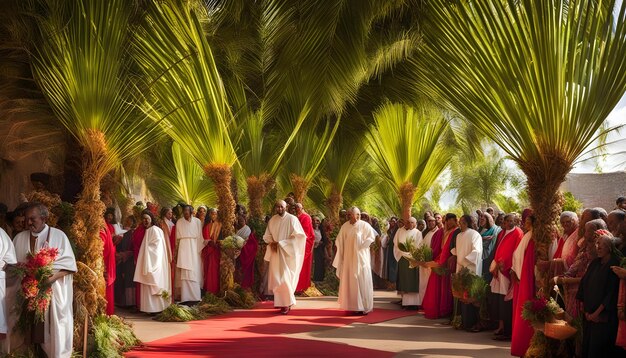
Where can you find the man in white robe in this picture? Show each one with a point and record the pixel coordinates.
(59, 321)
(352, 261)
(153, 269)
(7, 257)
(285, 252)
(408, 278)
(469, 254)
(189, 261)
(431, 227)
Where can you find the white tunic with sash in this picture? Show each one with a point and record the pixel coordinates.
(352, 261)
(189, 261)
(285, 263)
(59, 322)
(153, 271)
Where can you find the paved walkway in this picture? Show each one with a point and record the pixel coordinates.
(407, 336)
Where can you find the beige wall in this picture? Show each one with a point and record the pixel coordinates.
(596, 190)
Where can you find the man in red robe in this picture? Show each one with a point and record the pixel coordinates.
(437, 302)
(108, 254)
(307, 224)
(501, 287)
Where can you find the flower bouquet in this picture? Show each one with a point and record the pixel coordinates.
(231, 248)
(35, 293)
(468, 287)
(416, 254)
(540, 311)
(232, 245)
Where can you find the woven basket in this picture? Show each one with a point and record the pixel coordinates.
(559, 329)
(538, 326)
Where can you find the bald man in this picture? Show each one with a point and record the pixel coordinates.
(352, 261)
(285, 253)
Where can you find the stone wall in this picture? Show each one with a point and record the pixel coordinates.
(596, 189)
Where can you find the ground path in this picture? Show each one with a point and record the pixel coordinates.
(315, 327)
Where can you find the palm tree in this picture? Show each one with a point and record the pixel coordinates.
(537, 77)
(406, 145)
(478, 180)
(176, 177)
(187, 95)
(80, 64)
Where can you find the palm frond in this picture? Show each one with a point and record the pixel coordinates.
(537, 77)
(81, 65)
(403, 140)
(188, 98)
(176, 177)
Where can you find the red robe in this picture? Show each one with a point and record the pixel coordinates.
(522, 292)
(108, 255)
(246, 261)
(505, 247)
(437, 302)
(137, 240)
(211, 260)
(305, 274)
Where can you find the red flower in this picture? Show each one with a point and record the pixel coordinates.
(30, 287)
(539, 304)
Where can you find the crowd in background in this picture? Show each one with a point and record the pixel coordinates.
(584, 261)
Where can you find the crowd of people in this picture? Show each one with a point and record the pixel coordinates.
(584, 264)
(154, 260)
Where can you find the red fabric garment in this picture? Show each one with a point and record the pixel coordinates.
(559, 248)
(522, 292)
(138, 235)
(304, 281)
(246, 261)
(211, 261)
(505, 247)
(437, 302)
(108, 255)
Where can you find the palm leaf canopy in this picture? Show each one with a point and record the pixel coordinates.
(81, 65)
(188, 98)
(537, 77)
(405, 145)
(177, 177)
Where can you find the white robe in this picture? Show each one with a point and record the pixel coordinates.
(285, 264)
(59, 322)
(189, 262)
(518, 254)
(469, 251)
(7, 257)
(408, 298)
(352, 261)
(425, 271)
(153, 271)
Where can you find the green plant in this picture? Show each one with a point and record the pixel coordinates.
(570, 203)
(112, 336)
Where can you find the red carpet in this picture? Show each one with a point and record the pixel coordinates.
(256, 333)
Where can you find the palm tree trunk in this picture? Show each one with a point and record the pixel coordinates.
(89, 287)
(257, 188)
(546, 201)
(407, 192)
(334, 202)
(221, 175)
(300, 187)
